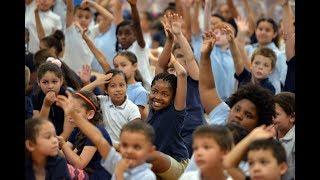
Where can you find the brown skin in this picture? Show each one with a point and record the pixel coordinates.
(126, 36)
(160, 95)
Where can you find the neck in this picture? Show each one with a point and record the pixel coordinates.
(281, 133)
(216, 174)
(255, 80)
(263, 44)
(224, 47)
(131, 80)
(38, 161)
(118, 103)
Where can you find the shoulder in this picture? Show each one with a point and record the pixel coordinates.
(219, 114)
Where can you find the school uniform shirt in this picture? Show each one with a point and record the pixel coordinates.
(196, 42)
(49, 20)
(143, 61)
(288, 142)
(137, 94)
(56, 114)
(245, 78)
(289, 84)
(60, 8)
(105, 42)
(196, 175)
(141, 172)
(28, 107)
(117, 116)
(278, 76)
(195, 113)
(98, 172)
(167, 124)
(77, 53)
(56, 168)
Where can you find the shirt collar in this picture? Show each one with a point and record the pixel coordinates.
(122, 106)
(290, 134)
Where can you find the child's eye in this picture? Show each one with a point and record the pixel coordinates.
(266, 65)
(153, 91)
(137, 147)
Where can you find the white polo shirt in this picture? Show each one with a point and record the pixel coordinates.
(115, 117)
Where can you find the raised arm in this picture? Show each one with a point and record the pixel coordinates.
(97, 53)
(288, 29)
(208, 93)
(136, 23)
(69, 14)
(117, 12)
(187, 19)
(242, 35)
(101, 80)
(232, 8)
(49, 99)
(238, 63)
(181, 92)
(251, 16)
(195, 27)
(191, 65)
(165, 55)
(40, 29)
(207, 13)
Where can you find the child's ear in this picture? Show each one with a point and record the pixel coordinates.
(29, 145)
(90, 114)
(292, 118)
(283, 168)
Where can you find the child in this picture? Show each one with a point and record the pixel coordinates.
(39, 11)
(263, 61)
(50, 80)
(28, 108)
(136, 143)
(266, 156)
(76, 51)
(117, 109)
(79, 150)
(266, 33)
(130, 38)
(284, 122)
(210, 145)
(42, 160)
(167, 101)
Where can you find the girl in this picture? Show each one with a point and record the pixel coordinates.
(267, 36)
(116, 108)
(130, 37)
(50, 80)
(284, 122)
(167, 114)
(79, 150)
(42, 160)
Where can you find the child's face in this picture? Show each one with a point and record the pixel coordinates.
(77, 104)
(46, 142)
(261, 67)
(244, 113)
(161, 95)
(123, 64)
(221, 37)
(207, 153)
(45, 5)
(283, 121)
(50, 82)
(265, 32)
(213, 21)
(126, 36)
(135, 147)
(178, 54)
(84, 18)
(263, 165)
(225, 11)
(117, 89)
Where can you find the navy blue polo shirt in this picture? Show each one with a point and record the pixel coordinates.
(98, 172)
(56, 168)
(245, 78)
(56, 114)
(167, 124)
(28, 107)
(195, 111)
(289, 84)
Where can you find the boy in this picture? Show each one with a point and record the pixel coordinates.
(265, 155)
(263, 62)
(210, 145)
(77, 52)
(136, 143)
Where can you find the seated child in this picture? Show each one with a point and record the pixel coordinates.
(210, 144)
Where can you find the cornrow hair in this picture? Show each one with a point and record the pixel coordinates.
(170, 78)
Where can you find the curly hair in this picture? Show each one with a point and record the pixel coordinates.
(260, 97)
(170, 78)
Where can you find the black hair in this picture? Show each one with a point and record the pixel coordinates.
(32, 128)
(114, 73)
(170, 78)
(123, 23)
(133, 59)
(138, 126)
(275, 146)
(286, 101)
(219, 16)
(260, 97)
(78, 7)
(51, 67)
(238, 131)
(41, 56)
(274, 27)
(59, 35)
(220, 134)
(52, 41)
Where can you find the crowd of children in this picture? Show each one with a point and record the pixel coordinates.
(201, 89)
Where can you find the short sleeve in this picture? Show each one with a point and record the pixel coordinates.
(142, 98)
(134, 112)
(110, 162)
(219, 114)
(243, 76)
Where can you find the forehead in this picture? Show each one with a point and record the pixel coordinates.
(49, 75)
(260, 153)
(259, 57)
(125, 28)
(204, 138)
(118, 78)
(120, 59)
(246, 105)
(161, 85)
(265, 24)
(46, 127)
(133, 137)
(83, 12)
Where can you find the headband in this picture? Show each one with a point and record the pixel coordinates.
(54, 61)
(87, 100)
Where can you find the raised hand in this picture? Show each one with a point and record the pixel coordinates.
(65, 103)
(61, 141)
(85, 73)
(208, 41)
(80, 29)
(123, 165)
(262, 132)
(176, 22)
(86, 3)
(229, 32)
(49, 99)
(165, 21)
(132, 2)
(242, 24)
(103, 79)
